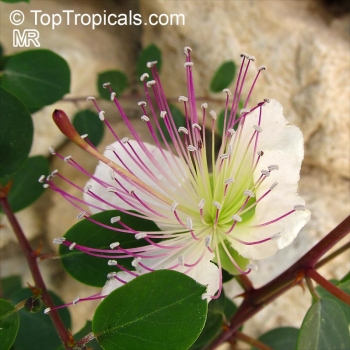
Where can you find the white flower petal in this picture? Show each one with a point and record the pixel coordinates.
(113, 283)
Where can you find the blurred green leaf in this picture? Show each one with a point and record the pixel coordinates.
(10, 285)
(36, 77)
(16, 134)
(93, 270)
(36, 330)
(9, 323)
(25, 188)
(283, 338)
(117, 79)
(220, 311)
(158, 310)
(88, 122)
(324, 327)
(14, 1)
(148, 54)
(223, 76)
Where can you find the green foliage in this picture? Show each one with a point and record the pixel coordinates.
(284, 338)
(158, 310)
(36, 330)
(117, 79)
(26, 189)
(324, 327)
(16, 134)
(9, 323)
(36, 77)
(220, 311)
(148, 54)
(14, 1)
(10, 285)
(88, 122)
(223, 76)
(93, 270)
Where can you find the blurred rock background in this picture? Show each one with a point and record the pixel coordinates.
(305, 46)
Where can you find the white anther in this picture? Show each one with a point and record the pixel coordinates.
(261, 153)
(76, 300)
(71, 247)
(66, 159)
(207, 241)
(144, 76)
(48, 178)
(87, 188)
(162, 114)
(52, 150)
(258, 128)
(101, 115)
(266, 173)
(47, 310)
(132, 190)
(224, 156)
(227, 91)
(217, 205)
(266, 100)
(213, 114)
(252, 267)
(54, 173)
(182, 129)
(229, 181)
(236, 218)
(105, 85)
(111, 189)
(114, 245)
(110, 148)
(41, 178)
(299, 207)
(204, 105)
(273, 167)
(181, 260)
(144, 118)
(151, 64)
(142, 103)
(125, 140)
(251, 58)
(262, 68)
(111, 174)
(90, 98)
(196, 126)
(115, 219)
(46, 186)
(150, 83)
(206, 296)
(113, 95)
(191, 148)
(244, 111)
(201, 203)
(244, 54)
(173, 206)
(188, 64)
(141, 235)
(231, 131)
(187, 50)
(81, 215)
(111, 275)
(189, 223)
(112, 262)
(276, 236)
(249, 193)
(59, 240)
(183, 99)
(273, 186)
(136, 261)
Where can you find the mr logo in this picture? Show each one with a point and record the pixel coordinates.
(25, 38)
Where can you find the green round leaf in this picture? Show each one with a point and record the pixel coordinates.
(158, 310)
(9, 323)
(36, 330)
(16, 134)
(10, 285)
(223, 77)
(25, 188)
(36, 77)
(149, 54)
(93, 270)
(117, 79)
(324, 327)
(88, 122)
(220, 311)
(284, 338)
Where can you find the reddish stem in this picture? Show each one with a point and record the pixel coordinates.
(33, 266)
(330, 287)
